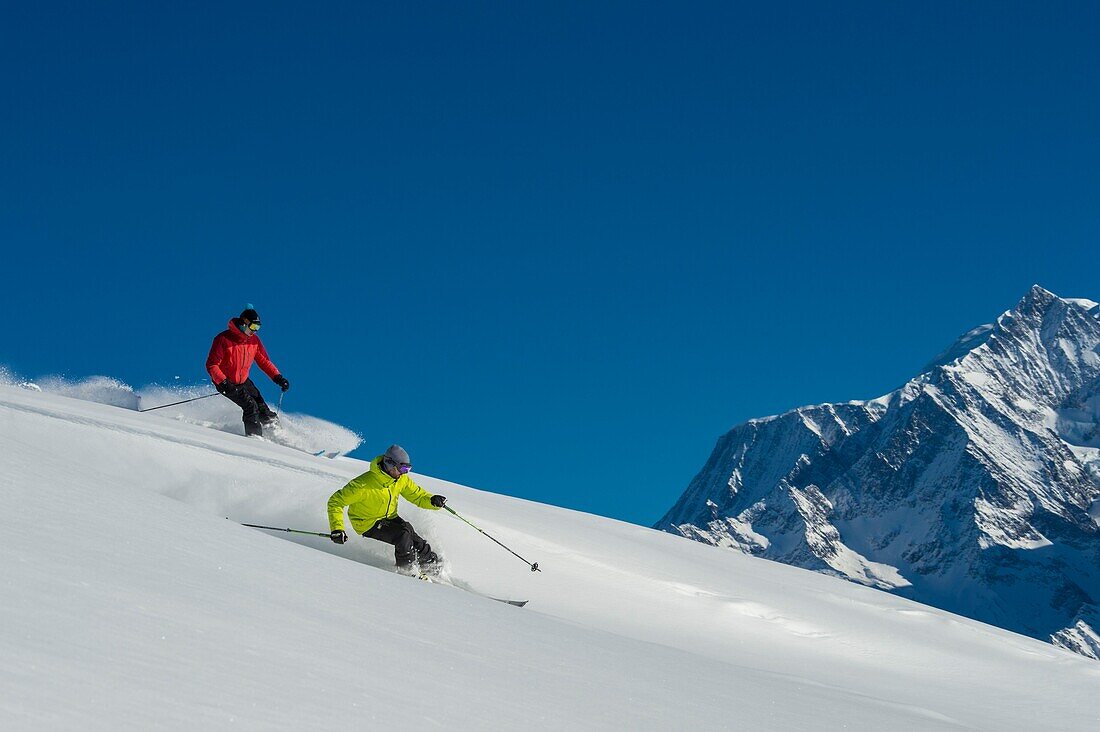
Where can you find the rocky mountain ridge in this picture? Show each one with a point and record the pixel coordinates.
(972, 488)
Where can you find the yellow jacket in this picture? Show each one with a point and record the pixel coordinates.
(373, 496)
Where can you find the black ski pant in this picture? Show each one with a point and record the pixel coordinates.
(408, 546)
(248, 397)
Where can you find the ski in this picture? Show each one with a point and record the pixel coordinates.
(436, 580)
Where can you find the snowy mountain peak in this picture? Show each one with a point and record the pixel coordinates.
(972, 488)
(1037, 305)
(966, 343)
(1040, 295)
(1040, 306)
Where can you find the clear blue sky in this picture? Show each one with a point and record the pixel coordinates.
(553, 249)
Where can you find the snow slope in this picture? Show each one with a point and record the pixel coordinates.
(207, 409)
(130, 602)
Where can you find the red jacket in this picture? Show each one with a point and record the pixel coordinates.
(232, 354)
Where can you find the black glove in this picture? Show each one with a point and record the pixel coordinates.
(439, 501)
(281, 381)
(225, 387)
(338, 537)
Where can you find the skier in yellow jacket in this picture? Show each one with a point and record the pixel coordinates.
(371, 501)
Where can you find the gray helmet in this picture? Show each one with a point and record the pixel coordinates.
(397, 454)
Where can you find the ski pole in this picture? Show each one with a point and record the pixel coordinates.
(534, 567)
(293, 531)
(281, 394)
(162, 406)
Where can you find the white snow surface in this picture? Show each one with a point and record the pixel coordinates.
(208, 409)
(1084, 302)
(130, 602)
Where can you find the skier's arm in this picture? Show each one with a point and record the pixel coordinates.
(264, 362)
(416, 495)
(214, 359)
(338, 501)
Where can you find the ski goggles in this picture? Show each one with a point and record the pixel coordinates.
(253, 327)
(402, 468)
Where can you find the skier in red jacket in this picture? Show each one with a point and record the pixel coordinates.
(231, 356)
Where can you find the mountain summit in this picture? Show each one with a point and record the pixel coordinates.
(972, 488)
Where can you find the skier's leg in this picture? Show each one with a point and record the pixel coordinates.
(422, 551)
(393, 532)
(243, 398)
(408, 546)
(265, 415)
(252, 417)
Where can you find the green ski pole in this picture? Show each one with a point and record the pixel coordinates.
(292, 531)
(534, 567)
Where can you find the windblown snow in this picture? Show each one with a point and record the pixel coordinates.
(299, 431)
(131, 602)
